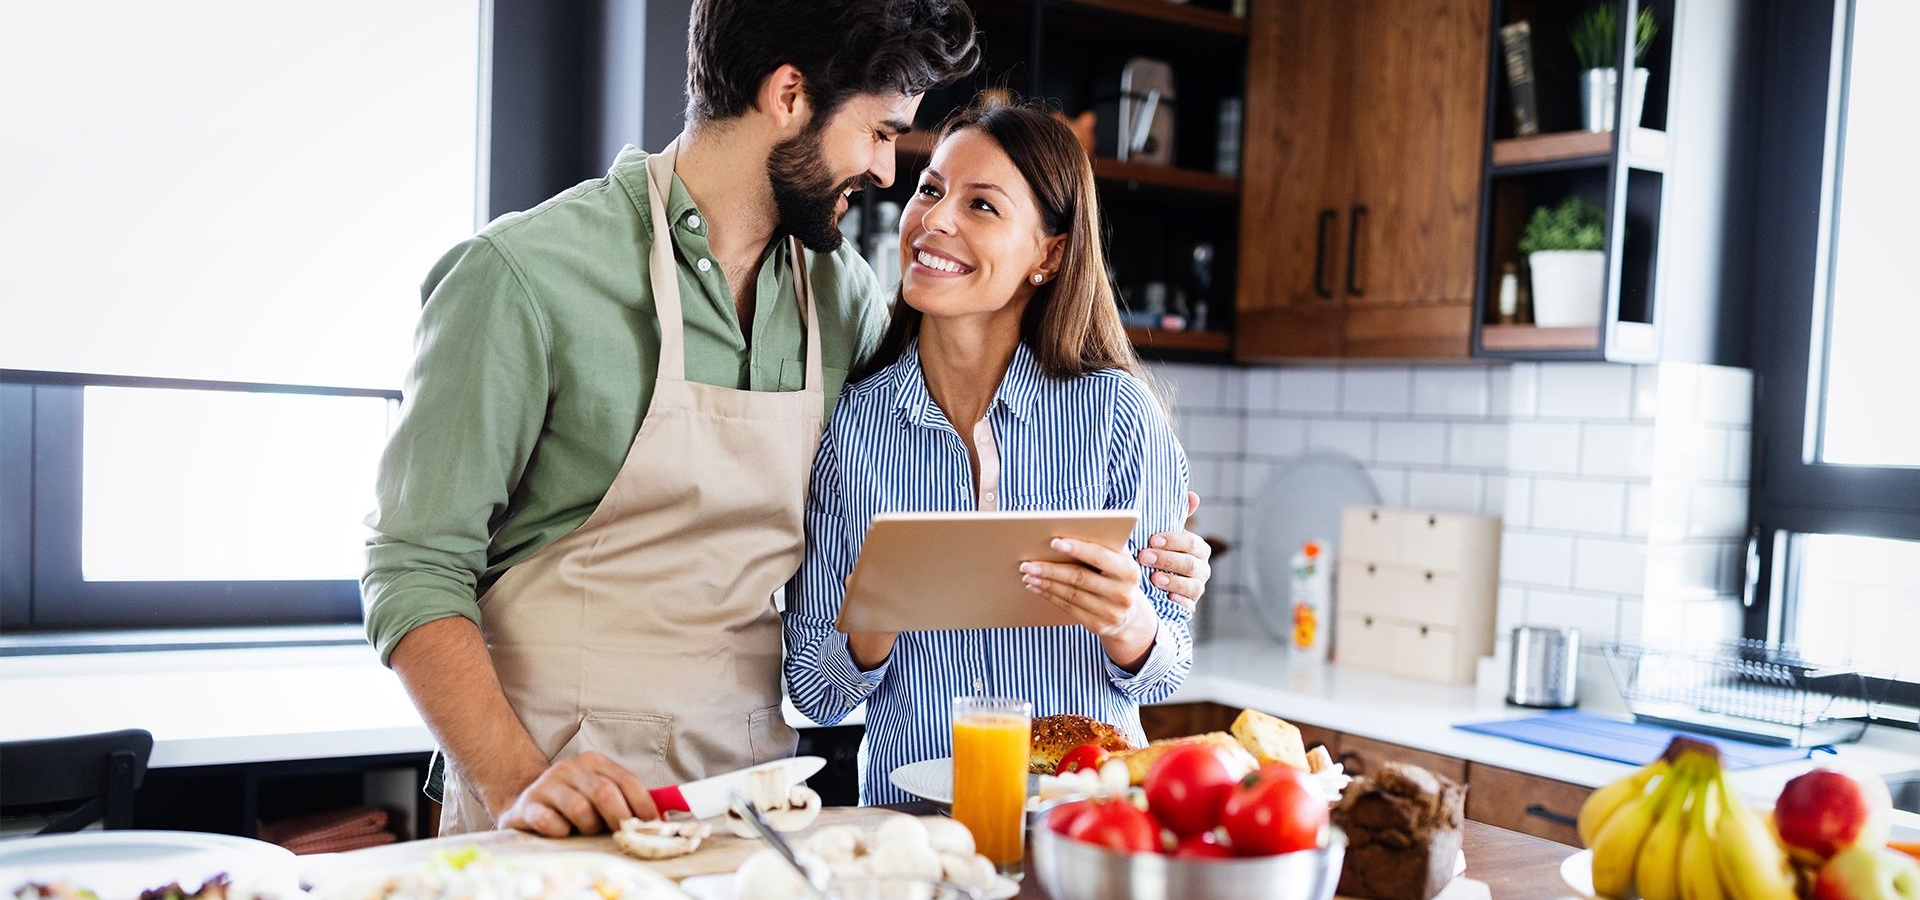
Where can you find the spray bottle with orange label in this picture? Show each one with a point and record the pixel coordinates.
(1310, 583)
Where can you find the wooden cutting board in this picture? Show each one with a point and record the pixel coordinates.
(720, 852)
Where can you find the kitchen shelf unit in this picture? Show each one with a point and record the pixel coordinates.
(1069, 53)
(1665, 182)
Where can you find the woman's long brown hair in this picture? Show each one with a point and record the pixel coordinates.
(1072, 324)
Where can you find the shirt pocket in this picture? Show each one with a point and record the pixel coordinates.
(793, 377)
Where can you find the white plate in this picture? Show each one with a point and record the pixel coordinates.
(1577, 872)
(932, 780)
(1300, 502)
(720, 887)
(118, 865)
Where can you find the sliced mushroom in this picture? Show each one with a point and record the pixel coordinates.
(785, 808)
(660, 839)
(947, 836)
(765, 876)
(839, 843)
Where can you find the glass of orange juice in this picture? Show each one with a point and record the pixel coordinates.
(990, 749)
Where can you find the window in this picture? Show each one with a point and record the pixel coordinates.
(1836, 498)
(214, 240)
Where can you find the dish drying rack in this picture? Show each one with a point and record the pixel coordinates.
(1746, 690)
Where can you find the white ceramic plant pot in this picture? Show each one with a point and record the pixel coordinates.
(1566, 287)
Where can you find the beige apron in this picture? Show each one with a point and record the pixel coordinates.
(649, 633)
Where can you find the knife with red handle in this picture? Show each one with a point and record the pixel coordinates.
(707, 797)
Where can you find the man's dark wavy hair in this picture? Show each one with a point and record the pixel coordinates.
(842, 48)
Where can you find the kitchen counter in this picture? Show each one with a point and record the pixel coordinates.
(215, 707)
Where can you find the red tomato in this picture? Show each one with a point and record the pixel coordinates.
(1205, 845)
(1116, 825)
(1085, 756)
(1062, 818)
(1271, 811)
(1187, 786)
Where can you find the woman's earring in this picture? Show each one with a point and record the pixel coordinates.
(1037, 278)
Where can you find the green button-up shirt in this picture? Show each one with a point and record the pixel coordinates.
(536, 355)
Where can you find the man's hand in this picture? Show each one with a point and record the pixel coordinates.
(1179, 559)
(584, 794)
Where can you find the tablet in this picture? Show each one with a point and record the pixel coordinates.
(934, 571)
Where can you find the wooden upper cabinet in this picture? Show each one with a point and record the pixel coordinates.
(1362, 180)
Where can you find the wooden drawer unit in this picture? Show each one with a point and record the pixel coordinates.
(1528, 804)
(1358, 753)
(1415, 592)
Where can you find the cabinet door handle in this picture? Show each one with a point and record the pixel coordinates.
(1320, 254)
(1353, 249)
(1540, 812)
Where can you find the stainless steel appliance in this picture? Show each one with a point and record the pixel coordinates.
(1544, 667)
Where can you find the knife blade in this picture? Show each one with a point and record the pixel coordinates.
(707, 797)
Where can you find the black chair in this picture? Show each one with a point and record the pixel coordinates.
(100, 772)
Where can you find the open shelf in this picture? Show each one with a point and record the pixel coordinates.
(1523, 338)
(1172, 13)
(1185, 341)
(1170, 177)
(1562, 146)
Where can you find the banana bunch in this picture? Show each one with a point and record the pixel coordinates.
(1674, 830)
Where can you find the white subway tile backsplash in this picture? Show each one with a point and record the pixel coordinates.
(1529, 558)
(1679, 392)
(1639, 509)
(1422, 443)
(1391, 481)
(1451, 392)
(1518, 508)
(1726, 395)
(1630, 620)
(1551, 448)
(1351, 437)
(1270, 437)
(1692, 452)
(1493, 495)
(1214, 477)
(1622, 451)
(1588, 507)
(1477, 445)
(1586, 391)
(1614, 566)
(1597, 617)
(1312, 389)
(1509, 612)
(1717, 511)
(1376, 390)
(1683, 570)
(1667, 511)
(1646, 393)
(1707, 623)
(1212, 434)
(1444, 491)
(1254, 474)
(1521, 400)
(1262, 389)
(1197, 388)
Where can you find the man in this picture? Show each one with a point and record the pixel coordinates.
(597, 480)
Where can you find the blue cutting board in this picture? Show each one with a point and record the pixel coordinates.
(1625, 742)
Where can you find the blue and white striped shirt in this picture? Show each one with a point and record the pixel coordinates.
(1094, 442)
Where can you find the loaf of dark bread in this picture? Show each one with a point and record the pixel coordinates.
(1403, 833)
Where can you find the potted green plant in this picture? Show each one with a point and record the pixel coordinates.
(1595, 38)
(1563, 247)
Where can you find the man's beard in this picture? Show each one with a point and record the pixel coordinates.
(804, 192)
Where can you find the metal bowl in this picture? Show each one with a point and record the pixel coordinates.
(1076, 870)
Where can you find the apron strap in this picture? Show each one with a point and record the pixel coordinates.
(664, 271)
(803, 289)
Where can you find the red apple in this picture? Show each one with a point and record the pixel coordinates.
(1868, 873)
(1826, 811)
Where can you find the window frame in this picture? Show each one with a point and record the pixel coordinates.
(40, 476)
(1802, 126)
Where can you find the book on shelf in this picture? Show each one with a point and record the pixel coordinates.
(1517, 43)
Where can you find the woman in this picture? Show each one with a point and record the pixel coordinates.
(1005, 381)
